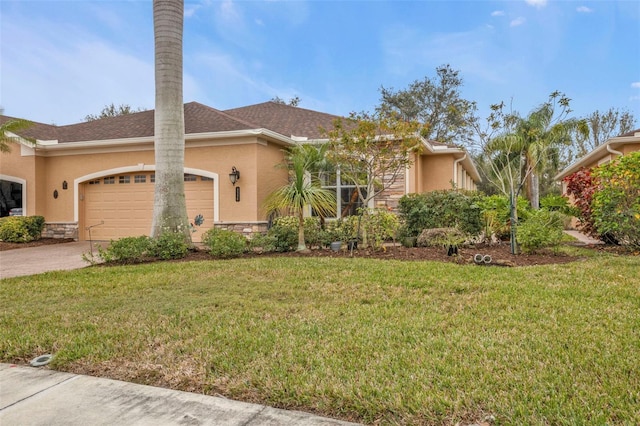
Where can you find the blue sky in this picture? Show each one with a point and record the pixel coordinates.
(62, 60)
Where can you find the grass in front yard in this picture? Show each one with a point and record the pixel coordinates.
(365, 340)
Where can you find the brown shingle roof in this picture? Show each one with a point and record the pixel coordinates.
(285, 119)
(630, 134)
(198, 118)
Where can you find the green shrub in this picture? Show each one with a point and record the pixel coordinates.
(265, 242)
(496, 215)
(35, 226)
(126, 250)
(169, 245)
(616, 202)
(558, 203)
(344, 229)
(224, 243)
(285, 233)
(441, 209)
(380, 226)
(543, 228)
(21, 229)
(314, 235)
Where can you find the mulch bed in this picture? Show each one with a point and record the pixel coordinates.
(500, 253)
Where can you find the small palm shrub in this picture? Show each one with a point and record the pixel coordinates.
(224, 243)
(496, 215)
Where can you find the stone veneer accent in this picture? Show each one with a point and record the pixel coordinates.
(60, 230)
(390, 197)
(248, 229)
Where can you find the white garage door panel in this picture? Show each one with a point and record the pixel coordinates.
(127, 208)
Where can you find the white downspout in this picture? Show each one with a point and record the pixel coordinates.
(613, 151)
(455, 170)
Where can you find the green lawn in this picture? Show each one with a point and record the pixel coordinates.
(364, 340)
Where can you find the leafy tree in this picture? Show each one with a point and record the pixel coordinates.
(112, 111)
(10, 128)
(372, 151)
(616, 202)
(295, 101)
(169, 206)
(304, 189)
(601, 127)
(437, 104)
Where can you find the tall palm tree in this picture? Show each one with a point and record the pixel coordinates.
(11, 127)
(169, 208)
(540, 135)
(304, 190)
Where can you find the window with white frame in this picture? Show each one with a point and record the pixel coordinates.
(348, 201)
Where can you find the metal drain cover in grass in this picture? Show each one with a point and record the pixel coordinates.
(41, 360)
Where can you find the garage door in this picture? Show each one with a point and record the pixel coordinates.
(122, 205)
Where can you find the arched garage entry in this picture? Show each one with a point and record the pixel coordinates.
(118, 203)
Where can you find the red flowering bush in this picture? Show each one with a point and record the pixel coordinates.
(581, 186)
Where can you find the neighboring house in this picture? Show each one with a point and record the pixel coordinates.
(608, 151)
(95, 179)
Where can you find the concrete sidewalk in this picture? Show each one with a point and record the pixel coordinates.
(36, 260)
(582, 238)
(38, 396)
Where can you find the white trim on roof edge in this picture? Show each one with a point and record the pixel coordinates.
(591, 156)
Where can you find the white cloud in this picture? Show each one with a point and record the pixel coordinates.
(584, 9)
(636, 84)
(75, 71)
(517, 22)
(229, 12)
(537, 3)
(497, 13)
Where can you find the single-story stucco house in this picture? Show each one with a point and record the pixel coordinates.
(608, 151)
(95, 179)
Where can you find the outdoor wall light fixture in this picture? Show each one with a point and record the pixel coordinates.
(64, 184)
(55, 193)
(234, 176)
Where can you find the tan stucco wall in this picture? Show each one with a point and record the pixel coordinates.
(251, 157)
(626, 149)
(15, 165)
(437, 172)
(271, 176)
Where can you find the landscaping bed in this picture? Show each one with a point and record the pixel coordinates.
(500, 253)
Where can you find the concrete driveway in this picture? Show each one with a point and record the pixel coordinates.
(36, 260)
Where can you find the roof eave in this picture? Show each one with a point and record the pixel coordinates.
(113, 143)
(596, 153)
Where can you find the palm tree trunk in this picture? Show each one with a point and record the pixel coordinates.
(301, 244)
(169, 208)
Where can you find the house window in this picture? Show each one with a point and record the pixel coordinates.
(124, 179)
(153, 178)
(140, 179)
(190, 178)
(347, 200)
(109, 180)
